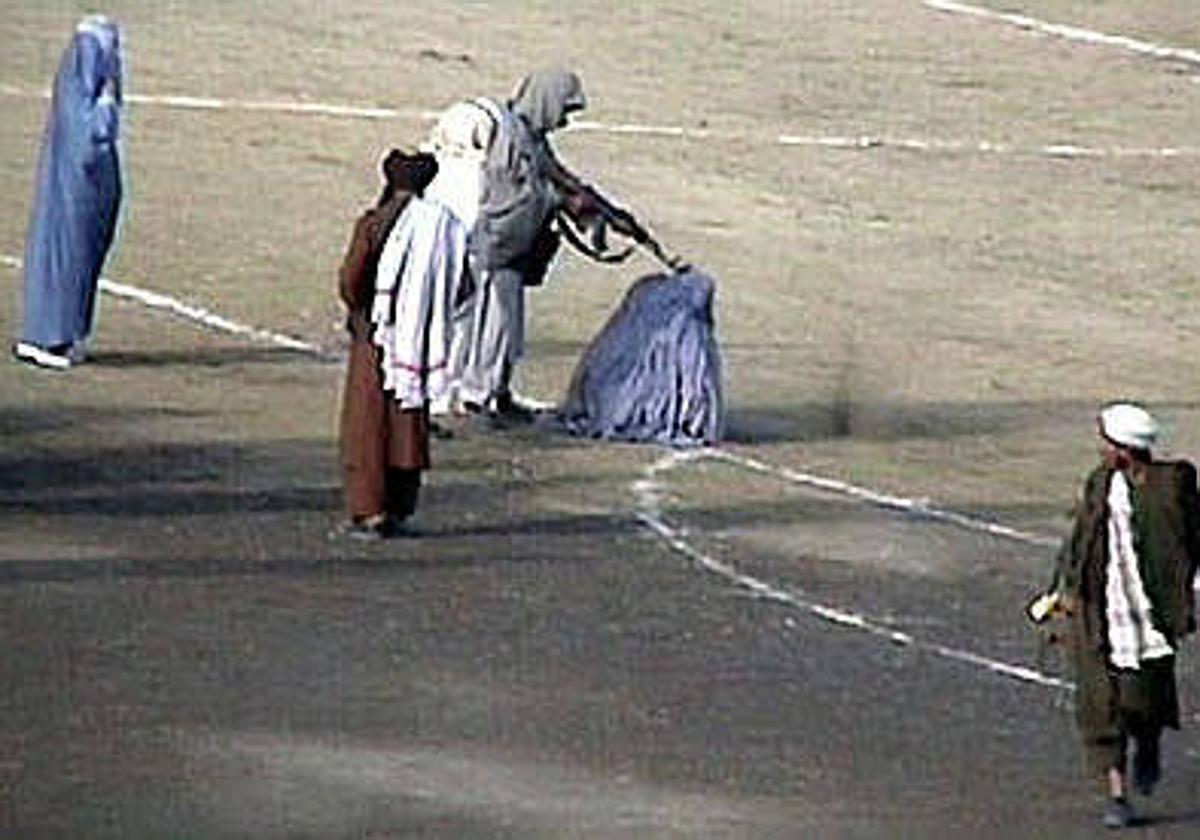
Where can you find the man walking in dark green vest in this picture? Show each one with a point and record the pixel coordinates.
(1126, 578)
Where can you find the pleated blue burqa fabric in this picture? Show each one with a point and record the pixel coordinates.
(78, 191)
(653, 373)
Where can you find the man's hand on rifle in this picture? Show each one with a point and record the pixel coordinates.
(587, 210)
(582, 207)
(586, 206)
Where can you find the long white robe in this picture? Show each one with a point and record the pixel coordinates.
(416, 282)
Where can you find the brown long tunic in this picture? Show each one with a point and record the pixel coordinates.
(383, 448)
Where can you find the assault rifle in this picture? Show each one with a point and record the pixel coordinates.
(589, 213)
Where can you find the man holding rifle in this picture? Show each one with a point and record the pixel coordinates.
(524, 188)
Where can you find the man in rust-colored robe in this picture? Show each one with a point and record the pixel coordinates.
(384, 446)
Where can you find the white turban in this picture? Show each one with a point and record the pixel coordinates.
(1129, 425)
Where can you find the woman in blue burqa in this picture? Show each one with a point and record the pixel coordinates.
(653, 373)
(77, 198)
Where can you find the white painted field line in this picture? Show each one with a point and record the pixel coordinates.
(917, 507)
(209, 103)
(321, 109)
(1068, 32)
(1056, 150)
(191, 312)
(832, 141)
(648, 493)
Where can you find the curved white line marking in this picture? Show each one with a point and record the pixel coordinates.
(208, 103)
(648, 492)
(1067, 32)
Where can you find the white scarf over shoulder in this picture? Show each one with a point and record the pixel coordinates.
(416, 281)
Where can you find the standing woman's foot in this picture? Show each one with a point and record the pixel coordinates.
(54, 358)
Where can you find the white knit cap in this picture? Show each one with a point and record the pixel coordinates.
(1129, 425)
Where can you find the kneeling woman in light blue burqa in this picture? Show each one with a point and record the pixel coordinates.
(77, 198)
(653, 373)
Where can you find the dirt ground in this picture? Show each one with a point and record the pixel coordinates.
(935, 312)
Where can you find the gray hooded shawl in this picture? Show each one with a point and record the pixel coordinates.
(519, 194)
(654, 372)
(78, 190)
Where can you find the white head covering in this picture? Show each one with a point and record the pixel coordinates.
(465, 129)
(1129, 425)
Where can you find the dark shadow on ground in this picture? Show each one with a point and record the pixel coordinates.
(105, 470)
(301, 476)
(304, 539)
(543, 430)
(136, 479)
(563, 526)
(169, 501)
(16, 420)
(883, 421)
(407, 554)
(1154, 820)
(208, 357)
